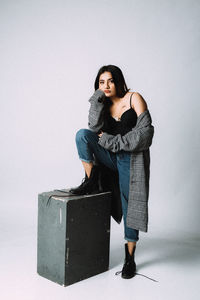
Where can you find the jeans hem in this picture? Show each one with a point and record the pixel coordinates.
(86, 160)
(130, 240)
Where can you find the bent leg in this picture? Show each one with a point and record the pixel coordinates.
(87, 146)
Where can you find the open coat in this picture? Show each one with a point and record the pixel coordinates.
(137, 141)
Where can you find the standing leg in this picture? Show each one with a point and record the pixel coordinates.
(123, 164)
(130, 234)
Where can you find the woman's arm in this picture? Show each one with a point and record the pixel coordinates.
(138, 103)
(134, 140)
(95, 117)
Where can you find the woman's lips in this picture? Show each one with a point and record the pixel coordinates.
(107, 91)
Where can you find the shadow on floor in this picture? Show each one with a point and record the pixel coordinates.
(182, 250)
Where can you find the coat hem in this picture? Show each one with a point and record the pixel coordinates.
(138, 227)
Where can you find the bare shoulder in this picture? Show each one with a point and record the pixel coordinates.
(138, 103)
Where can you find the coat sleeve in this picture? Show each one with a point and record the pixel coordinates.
(95, 117)
(137, 139)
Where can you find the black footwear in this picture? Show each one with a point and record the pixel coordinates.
(89, 185)
(129, 267)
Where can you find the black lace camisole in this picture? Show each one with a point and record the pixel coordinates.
(126, 123)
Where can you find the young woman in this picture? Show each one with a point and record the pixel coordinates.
(119, 136)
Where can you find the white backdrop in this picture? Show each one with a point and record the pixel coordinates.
(50, 54)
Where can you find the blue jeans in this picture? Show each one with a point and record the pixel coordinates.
(87, 145)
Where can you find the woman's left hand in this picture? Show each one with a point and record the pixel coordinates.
(100, 134)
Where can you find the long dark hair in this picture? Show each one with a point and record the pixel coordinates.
(118, 78)
(120, 85)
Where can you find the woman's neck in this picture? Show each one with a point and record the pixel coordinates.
(115, 100)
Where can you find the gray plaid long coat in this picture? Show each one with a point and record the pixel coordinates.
(137, 141)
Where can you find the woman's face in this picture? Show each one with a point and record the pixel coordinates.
(106, 84)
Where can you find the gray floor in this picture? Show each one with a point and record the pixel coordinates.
(172, 258)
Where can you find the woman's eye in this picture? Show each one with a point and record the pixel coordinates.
(110, 81)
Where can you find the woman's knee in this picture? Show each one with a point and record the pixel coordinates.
(82, 134)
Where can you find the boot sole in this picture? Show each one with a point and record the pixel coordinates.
(127, 277)
(85, 193)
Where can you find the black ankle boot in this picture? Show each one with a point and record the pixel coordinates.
(89, 185)
(129, 267)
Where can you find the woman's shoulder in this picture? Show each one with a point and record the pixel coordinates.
(135, 97)
(138, 103)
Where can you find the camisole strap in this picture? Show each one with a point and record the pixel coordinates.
(130, 99)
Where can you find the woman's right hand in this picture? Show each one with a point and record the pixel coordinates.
(98, 96)
(103, 95)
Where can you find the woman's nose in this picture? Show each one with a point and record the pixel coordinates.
(107, 85)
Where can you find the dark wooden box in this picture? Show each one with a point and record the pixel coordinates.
(73, 237)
